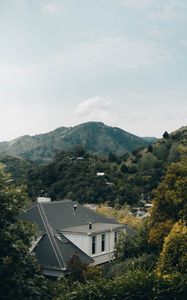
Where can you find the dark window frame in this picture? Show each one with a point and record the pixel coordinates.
(93, 244)
(103, 236)
(115, 237)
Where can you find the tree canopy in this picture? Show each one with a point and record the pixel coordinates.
(20, 276)
(173, 257)
(170, 204)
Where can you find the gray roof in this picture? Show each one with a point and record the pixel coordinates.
(47, 257)
(54, 250)
(96, 228)
(56, 218)
(61, 214)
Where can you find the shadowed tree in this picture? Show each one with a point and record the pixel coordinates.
(20, 276)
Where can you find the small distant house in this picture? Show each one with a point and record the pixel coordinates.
(91, 206)
(141, 214)
(66, 228)
(80, 158)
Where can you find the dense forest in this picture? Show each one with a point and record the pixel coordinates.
(89, 178)
(152, 264)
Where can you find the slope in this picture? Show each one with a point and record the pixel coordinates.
(95, 137)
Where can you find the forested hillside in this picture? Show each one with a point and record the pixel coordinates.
(86, 179)
(89, 178)
(96, 138)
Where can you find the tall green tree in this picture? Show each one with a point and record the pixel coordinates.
(20, 277)
(173, 257)
(170, 204)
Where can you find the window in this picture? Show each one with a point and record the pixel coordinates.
(93, 244)
(103, 242)
(115, 237)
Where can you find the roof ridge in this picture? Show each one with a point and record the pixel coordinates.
(50, 234)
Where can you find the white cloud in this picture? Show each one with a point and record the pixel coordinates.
(51, 7)
(138, 4)
(113, 53)
(93, 104)
(96, 109)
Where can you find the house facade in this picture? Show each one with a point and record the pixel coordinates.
(66, 228)
(97, 239)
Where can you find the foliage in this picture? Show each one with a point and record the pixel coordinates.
(170, 200)
(96, 137)
(78, 179)
(173, 257)
(20, 277)
(17, 167)
(76, 269)
(150, 148)
(143, 261)
(158, 232)
(132, 245)
(125, 178)
(124, 168)
(93, 273)
(134, 285)
(126, 247)
(165, 135)
(122, 215)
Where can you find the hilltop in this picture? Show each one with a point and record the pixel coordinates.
(95, 178)
(95, 137)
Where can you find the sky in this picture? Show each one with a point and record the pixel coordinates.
(65, 62)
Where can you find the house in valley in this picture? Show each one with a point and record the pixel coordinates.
(66, 228)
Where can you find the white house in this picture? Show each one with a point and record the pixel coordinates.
(96, 239)
(66, 228)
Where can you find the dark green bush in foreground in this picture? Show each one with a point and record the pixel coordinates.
(135, 285)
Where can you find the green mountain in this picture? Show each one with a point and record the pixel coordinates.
(97, 178)
(95, 137)
(118, 180)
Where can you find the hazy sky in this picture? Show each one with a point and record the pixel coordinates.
(64, 62)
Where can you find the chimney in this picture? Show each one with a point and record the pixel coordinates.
(74, 207)
(43, 200)
(90, 225)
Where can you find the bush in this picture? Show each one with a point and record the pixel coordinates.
(135, 285)
(173, 257)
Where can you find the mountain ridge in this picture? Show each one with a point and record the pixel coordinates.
(96, 137)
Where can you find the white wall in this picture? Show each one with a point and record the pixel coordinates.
(81, 241)
(84, 242)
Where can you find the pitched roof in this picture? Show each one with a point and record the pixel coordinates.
(53, 249)
(61, 214)
(51, 260)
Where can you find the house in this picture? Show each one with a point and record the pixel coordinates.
(66, 228)
(141, 214)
